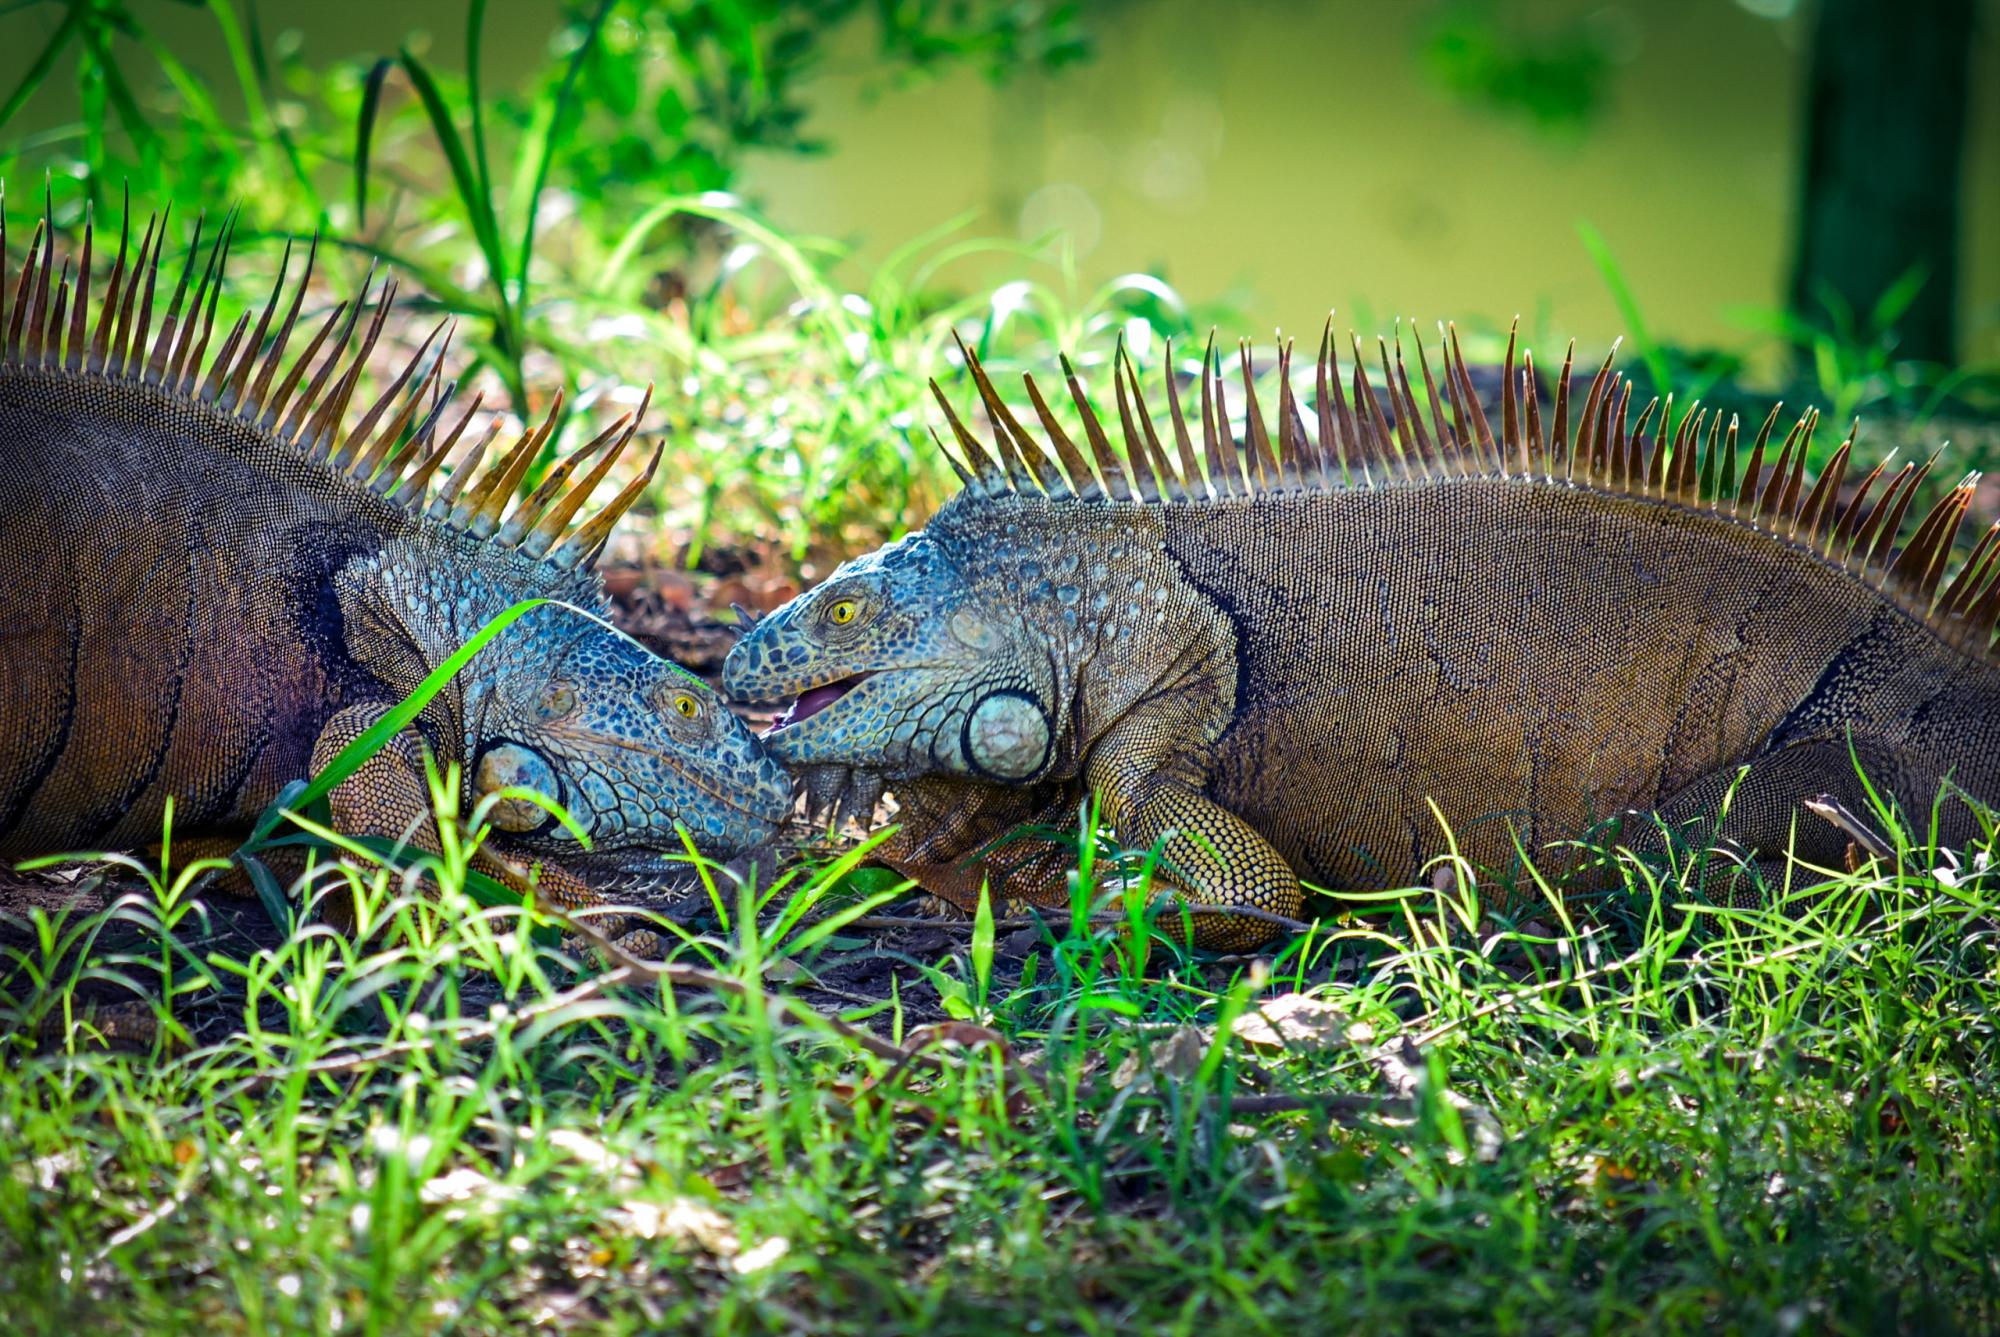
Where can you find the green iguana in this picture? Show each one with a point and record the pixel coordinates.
(1276, 656)
(217, 581)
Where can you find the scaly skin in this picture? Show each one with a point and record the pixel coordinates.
(1277, 684)
(206, 605)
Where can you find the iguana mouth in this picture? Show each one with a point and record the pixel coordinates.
(815, 699)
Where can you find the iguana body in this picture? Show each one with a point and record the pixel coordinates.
(1277, 664)
(216, 581)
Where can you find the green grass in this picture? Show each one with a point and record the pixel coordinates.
(452, 1121)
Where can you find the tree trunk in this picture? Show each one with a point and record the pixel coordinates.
(1886, 107)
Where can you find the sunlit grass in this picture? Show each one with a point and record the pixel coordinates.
(456, 1117)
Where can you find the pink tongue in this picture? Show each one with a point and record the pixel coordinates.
(814, 700)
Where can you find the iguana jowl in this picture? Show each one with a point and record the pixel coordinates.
(217, 580)
(1276, 656)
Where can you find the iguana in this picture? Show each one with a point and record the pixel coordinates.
(1275, 655)
(218, 577)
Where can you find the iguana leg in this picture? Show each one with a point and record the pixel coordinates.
(956, 836)
(1765, 816)
(1211, 855)
(389, 796)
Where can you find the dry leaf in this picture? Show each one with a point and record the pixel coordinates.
(1297, 1022)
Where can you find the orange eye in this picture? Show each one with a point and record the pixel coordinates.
(843, 612)
(686, 706)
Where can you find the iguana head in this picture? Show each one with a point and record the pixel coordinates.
(903, 663)
(633, 747)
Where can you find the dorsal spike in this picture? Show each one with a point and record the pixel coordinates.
(135, 316)
(236, 377)
(184, 362)
(1433, 458)
(1746, 495)
(982, 467)
(1884, 545)
(1619, 444)
(1595, 401)
(479, 514)
(1333, 438)
(107, 315)
(1513, 446)
(1818, 508)
(1451, 448)
(301, 413)
(965, 478)
(395, 483)
(1656, 461)
(1263, 463)
(1298, 456)
(210, 389)
(539, 521)
(1841, 545)
(1093, 431)
(6, 344)
(583, 547)
(1135, 450)
(73, 353)
(1559, 430)
(258, 403)
(1005, 423)
(1113, 481)
(322, 427)
(1780, 492)
(1380, 443)
(1224, 467)
(162, 348)
(1146, 441)
(1878, 530)
(355, 447)
(38, 328)
(142, 327)
(24, 297)
(377, 462)
(1455, 364)
(277, 406)
(467, 469)
(1920, 566)
(1534, 446)
(551, 518)
(58, 312)
(1965, 587)
(1981, 615)
(1640, 455)
(1193, 481)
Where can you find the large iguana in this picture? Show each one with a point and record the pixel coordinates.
(217, 579)
(1275, 656)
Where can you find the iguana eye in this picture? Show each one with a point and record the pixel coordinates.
(686, 706)
(558, 701)
(842, 612)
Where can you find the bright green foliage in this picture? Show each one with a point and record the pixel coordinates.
(445, 1122)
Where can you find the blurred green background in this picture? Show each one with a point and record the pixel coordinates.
(1413, 159)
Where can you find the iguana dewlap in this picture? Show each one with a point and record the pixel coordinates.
(1274, 658)
(217, 579)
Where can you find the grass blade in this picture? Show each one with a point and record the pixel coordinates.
(364, 134)
(546, 150)
(351, 757)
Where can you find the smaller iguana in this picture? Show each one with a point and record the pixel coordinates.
(218, 578)
(1290, 657)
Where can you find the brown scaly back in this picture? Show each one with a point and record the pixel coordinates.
(393, 446)
(1368, 438)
